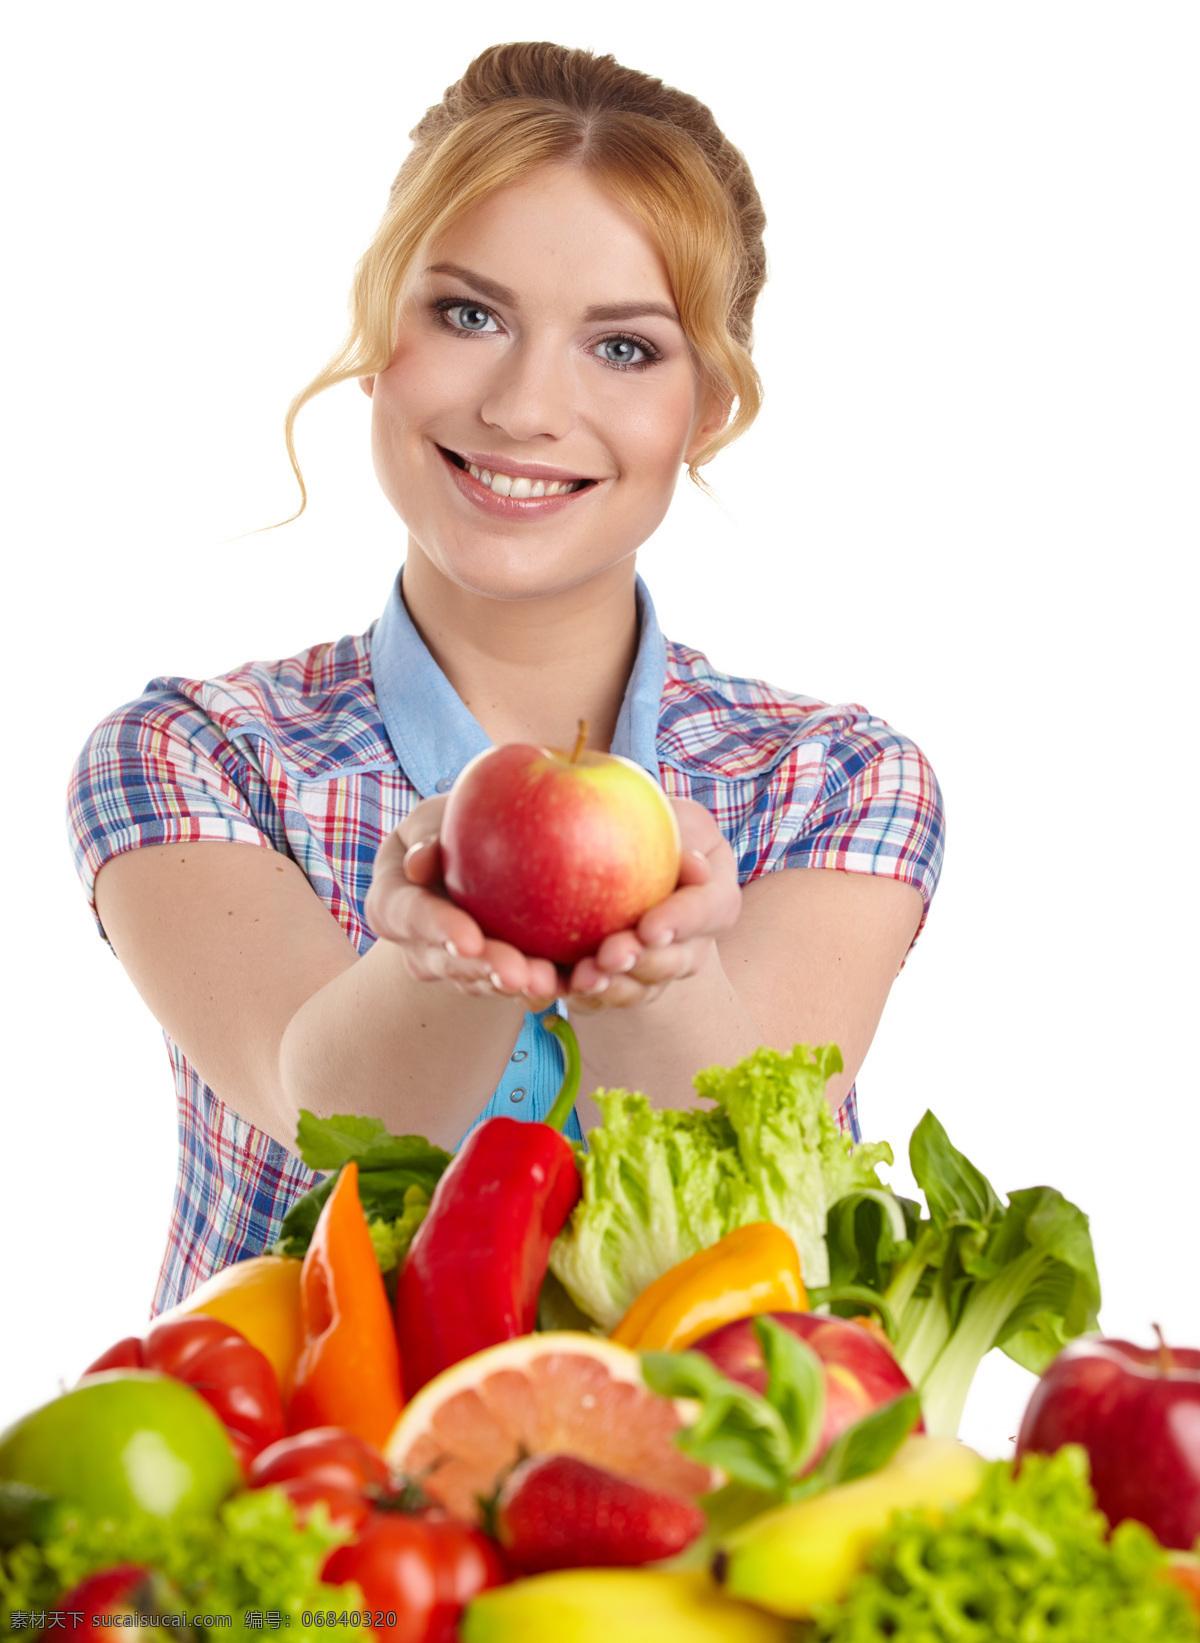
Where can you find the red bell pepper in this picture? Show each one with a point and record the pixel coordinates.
(478, 1259)
(216, 1360)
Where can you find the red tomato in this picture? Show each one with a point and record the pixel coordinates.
(324, 1455)
(346, 1508)
(217, 1361)
(423, 1569)
(112, 1596)
(126, 1354)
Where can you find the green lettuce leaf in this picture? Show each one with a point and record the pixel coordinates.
(660, 1185)
(396, 1178)
(1028, 1557)
(795, 1160)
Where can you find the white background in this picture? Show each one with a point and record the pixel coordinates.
(970, 503)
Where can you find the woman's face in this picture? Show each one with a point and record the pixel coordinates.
(542, 397)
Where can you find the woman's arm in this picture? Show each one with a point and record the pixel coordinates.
(256, 982)
(254, 979)
(811, 960)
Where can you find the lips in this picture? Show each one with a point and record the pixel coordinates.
(518, 490)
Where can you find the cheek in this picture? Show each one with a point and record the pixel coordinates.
(655, 428)
(430, 376)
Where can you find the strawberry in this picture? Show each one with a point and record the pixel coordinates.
(556, 1512)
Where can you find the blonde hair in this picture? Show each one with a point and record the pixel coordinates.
(523, 106)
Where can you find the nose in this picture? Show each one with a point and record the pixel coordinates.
(530, 393)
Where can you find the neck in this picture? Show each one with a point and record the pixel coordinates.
(530, 669)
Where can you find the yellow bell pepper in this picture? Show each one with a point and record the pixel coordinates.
(261, 1297)
(752, 1269)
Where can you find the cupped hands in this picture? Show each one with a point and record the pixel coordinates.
(407, 904)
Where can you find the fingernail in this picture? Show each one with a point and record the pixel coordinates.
(665, 939)
(626, 964)
(496, 982)
(600, 986)
(451, 949)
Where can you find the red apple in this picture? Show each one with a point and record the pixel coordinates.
(554, 851)
(1136, 1410)
(860, 1371)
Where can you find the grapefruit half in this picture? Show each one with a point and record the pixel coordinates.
(557, 1393)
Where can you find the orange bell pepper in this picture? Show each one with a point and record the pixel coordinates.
(348, 1373)
(752, 1269)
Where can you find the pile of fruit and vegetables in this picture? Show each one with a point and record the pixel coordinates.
(699, 1377)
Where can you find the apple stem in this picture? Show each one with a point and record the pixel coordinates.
(580, 740)
(1166, 1360)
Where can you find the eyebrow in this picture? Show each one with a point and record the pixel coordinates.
(602, 311)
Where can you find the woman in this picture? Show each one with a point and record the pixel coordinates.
(552, 320)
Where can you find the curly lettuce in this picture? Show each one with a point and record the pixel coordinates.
(659, 1186)
(251, 1557)
(1028, 1557)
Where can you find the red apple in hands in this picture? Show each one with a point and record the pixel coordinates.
(554, 851)
(860, 1372)
(1136, 1410)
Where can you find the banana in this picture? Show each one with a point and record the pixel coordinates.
(796, 1556)
(634, 1605)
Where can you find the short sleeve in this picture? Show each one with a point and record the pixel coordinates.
(157, 771)
(879, 810)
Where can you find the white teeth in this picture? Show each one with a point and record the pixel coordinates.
(521, 487)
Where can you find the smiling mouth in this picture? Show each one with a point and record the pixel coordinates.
(517, 486)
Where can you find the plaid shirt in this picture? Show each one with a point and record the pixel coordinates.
(322, 755)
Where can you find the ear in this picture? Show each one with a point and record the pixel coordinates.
(713, 415)
(367, 384)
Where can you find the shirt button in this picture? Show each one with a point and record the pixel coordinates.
(446, 783)
(518, 1094)
(519, 1055)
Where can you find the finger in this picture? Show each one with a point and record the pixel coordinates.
(616, 955)
(390, 879)
(423, 863)
(508, 968)
(698, 828)
(692, 910)
(622, 993)
(424, 820)
(655, 970)
(695, 868)
(420, 917)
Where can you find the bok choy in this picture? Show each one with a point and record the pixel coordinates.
(968, 1274)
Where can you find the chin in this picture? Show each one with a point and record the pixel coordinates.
(496, 566)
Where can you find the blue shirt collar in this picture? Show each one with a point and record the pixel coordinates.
(434, 733)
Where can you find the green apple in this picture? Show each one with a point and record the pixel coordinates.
(124, 1443)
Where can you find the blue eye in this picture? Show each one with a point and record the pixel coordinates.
(469, 316)
(620, 351)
